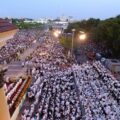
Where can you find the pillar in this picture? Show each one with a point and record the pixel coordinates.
(4, 110)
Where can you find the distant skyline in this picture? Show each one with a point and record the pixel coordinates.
(79, 9)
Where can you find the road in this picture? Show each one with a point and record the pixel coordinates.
(15, 68)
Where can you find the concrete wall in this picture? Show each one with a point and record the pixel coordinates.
(4, 36)
(4, 110)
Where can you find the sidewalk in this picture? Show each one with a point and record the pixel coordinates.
(15, 68)
(29, 51)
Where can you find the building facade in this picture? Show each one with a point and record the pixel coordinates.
(7, 31)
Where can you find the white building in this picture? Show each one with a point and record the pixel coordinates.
(42, 20)
(61, 24)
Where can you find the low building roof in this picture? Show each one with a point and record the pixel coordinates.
(113, 62)
(5, 25)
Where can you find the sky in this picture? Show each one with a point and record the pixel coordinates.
(79, 9)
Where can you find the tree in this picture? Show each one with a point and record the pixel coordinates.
(84, 25)
(66, 42)
(108, 34)
(105, 33)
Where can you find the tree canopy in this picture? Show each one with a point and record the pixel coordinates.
(103, 32)
(24, 25)
(66, 42)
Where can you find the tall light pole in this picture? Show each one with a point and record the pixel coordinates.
(4, 112)
(73, 33)
(82, 37)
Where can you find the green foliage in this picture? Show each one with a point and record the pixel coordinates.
(24, 25)
(105, 33)
(108, 33)
(66, 42)
(84, 25)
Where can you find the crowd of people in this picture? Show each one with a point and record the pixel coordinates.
(52, 94)
(98, 90)
(61, 89)
(13, 91)
(68, 91)
(22, 40)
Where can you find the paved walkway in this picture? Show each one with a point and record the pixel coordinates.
(15, 68)
(29, 50)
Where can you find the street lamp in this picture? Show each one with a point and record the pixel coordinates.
(73, 33)
(59, 32)
(82, 37)
(56, 33)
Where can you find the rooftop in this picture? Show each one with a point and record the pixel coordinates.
(5, 25)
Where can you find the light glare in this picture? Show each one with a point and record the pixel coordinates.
(82, 37)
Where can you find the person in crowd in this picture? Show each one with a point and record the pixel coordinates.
(68, 91)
